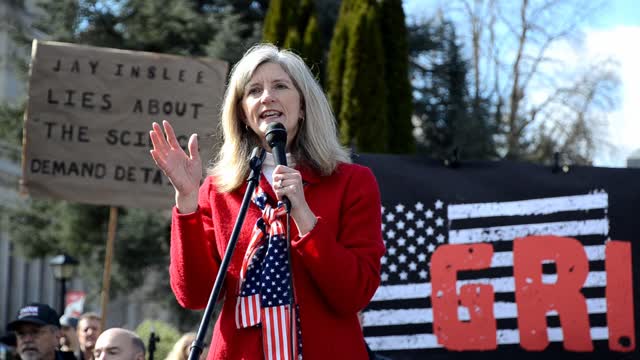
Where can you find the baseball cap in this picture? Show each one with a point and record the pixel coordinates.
(35, 313)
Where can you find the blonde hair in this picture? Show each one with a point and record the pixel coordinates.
(316, 144)
(180, 350)
(90, 316)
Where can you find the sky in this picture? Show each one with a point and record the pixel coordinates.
(614, 32)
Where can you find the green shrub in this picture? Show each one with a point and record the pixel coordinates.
(167, 333)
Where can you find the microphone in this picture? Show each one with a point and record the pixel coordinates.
(276, 137)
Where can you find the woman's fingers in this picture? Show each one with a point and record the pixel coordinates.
(193, 148)
(157, 142)
(287, 189)
(171, 135)
(169, 155)
(159, 160)
(286, 175)
(288, 182)
(157, 138)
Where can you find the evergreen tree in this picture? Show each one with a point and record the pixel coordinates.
(368, 76)
(312, 48)
(237, 24)
(327, 15)
(234, 36)
(221, 28)
(337, 55)
(278, 20)
(450, 119)
(172, 26)
(294, 25)
(335, 64)
(483, 127)
(11, 117)
(63, 18)
(293, 40)
(396, 56)
(363, 112)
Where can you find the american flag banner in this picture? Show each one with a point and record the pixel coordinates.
(493, 260)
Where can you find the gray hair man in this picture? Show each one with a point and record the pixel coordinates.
(119, 344)
(37, 332)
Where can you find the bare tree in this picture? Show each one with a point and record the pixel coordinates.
(544, 103)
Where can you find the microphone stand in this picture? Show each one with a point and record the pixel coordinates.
(255, 163)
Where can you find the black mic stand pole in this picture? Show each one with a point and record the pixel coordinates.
(255, 163)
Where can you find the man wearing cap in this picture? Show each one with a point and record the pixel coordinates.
(37, 332)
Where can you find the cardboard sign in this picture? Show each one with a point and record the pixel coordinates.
(88, 118)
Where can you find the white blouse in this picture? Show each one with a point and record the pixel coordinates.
(269, 165)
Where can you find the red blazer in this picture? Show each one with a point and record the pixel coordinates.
(336, 266)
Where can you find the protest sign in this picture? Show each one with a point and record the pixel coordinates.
(89, 114)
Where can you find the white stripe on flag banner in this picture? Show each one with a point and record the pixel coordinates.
(511, 232)
(501, 310)
(505, 258)
(429, 341)
(529, 207)
(402, 292)
(500, 285)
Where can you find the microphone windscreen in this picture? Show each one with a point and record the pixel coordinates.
(276, 134)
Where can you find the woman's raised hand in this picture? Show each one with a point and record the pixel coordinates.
(184, 171)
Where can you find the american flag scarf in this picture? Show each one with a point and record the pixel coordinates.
(264, 285)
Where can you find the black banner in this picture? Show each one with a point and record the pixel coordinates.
(503, 259)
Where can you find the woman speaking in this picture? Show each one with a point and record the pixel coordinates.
(335, 236)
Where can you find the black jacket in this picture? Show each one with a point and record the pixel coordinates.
(374, 356)
(65, 355)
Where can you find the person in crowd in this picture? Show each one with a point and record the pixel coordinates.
(69, 334)
(119, 344)
(37, 331)
(8, 339)
(89, 328)
(335, 240)
(182, 348)
(8, 347)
